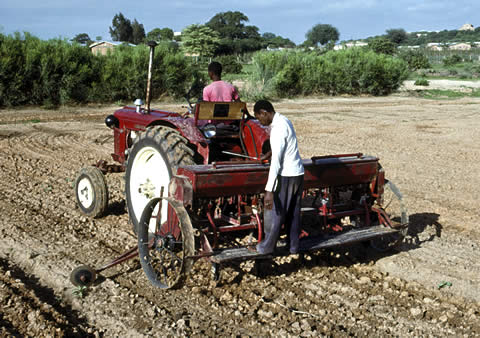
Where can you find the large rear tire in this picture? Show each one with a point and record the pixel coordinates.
(154, 157)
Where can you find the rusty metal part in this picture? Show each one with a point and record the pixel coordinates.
(106, 168)
(240, 155)
(152, 45)
(129, 254)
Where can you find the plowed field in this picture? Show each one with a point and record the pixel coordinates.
(429, 148)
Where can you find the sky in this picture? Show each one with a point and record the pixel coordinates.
(354, 19)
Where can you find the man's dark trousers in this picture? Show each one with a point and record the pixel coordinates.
(285, 210)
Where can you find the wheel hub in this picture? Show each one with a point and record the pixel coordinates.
(147, 189)
(85, 193)
(165, 242)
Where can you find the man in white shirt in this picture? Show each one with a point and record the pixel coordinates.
(283, 192)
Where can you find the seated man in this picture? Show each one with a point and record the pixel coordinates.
(218, 90)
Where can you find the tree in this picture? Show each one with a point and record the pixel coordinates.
(382, 45)
(273, 41)
(159, 34)
(322, 34)
(138, 32)
(199, 39)
(229, 24)
(98, 38)
(82, 39)
(235, 36)
(397, 35)
(121, 29)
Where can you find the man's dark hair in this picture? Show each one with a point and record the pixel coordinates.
(263, 104)
(215, 67)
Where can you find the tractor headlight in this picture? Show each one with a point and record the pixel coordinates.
(111, 121)
(209, 130)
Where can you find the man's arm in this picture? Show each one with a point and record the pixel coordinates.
(278, 145)
(206, 94)
(235, 96)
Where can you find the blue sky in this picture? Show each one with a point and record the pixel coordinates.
(355, 19)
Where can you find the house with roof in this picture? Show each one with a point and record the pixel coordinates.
(467, 27)
(102, 47)
(461, 46)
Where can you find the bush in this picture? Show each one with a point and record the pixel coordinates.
(415, 59)
(230, 64)
(421, 82)
(44, 72)
(382, 45)
(351, 71)
(56, 72)
(452, 60)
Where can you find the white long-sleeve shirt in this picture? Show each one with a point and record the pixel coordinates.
(286, 160)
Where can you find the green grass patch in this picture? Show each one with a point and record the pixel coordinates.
(32, 121)
(475, 93)
(441, 94)
(421, 82)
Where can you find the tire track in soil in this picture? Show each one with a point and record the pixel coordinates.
(31, 309)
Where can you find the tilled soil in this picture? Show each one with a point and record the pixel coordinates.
(428, 287)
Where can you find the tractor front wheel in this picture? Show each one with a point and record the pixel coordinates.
(91, 191)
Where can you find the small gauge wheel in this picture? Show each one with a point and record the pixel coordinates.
(83, 276)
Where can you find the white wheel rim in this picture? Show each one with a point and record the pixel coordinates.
(85, 193)
(149, 173)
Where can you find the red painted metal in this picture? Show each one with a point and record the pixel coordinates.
(227, 179)
(254, 134)
(230, 183)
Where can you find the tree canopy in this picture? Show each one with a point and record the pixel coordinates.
(138, 32)
(273, 41)
(382, 45)
(199, 40)
(121, 29)
(322, 34)
(82, 39)
(160, 34)
(397, 35)
(235, 36)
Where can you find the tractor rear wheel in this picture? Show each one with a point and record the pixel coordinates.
(154, 157)
(91, 191)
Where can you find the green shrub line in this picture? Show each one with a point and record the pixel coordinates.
(352, 71)
(55, 72)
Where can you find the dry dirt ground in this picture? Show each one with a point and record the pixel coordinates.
(429, 148)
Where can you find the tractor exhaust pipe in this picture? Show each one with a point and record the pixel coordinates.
(152, 45)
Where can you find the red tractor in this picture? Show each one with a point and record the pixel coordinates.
(191, 194)
(149, 145)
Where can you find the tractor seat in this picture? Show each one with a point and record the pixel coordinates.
(216, 111)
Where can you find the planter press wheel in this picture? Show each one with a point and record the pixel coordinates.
(394, 206)
(91, 191)
(164, 251)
